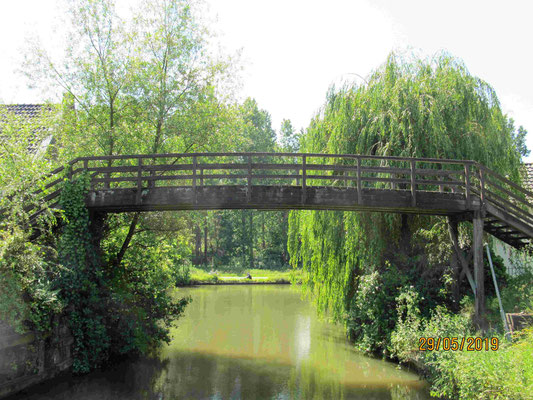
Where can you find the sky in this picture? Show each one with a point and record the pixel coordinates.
(294, 50)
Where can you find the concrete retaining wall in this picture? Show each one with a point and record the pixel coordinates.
(26, 360)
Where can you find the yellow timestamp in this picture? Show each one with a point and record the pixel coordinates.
(458, 344)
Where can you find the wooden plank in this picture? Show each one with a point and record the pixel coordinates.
(413, 184)
(509, 207)
(304, 181)
(490, 172)
(48, 186)
(276, 155)
(194, 179)
(359, 188)
(482, 184)
(511, 194)
(249, 181)
(467, 185)
(240, 166)
(275, 197)
(139, 181)
(510, 220)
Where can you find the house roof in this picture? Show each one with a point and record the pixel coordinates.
(27, 110)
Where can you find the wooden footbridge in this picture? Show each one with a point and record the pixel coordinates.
(461, 190)
(280, 181)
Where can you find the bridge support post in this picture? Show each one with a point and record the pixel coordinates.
(477, 247)
(453, 231)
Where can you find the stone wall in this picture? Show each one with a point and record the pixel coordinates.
(26, 359)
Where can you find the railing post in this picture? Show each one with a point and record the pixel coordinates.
(413, 184)
(345, 173)
(482, 184)
(304, 179)
(194, 163)
(139, 180)
(467, 185)
(85, 164)
(151, 182)
(201, 177)
(107, 184)
(298, 177)
(249, 180)
(359, 188)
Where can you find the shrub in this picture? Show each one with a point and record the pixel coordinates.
(483, 375)
(372, 315)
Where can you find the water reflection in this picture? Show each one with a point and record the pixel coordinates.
(247, 342)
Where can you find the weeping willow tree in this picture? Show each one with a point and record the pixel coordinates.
(355, 263)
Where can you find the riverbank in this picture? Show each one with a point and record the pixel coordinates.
(198, 276)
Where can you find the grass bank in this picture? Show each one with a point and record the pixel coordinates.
(225, 276)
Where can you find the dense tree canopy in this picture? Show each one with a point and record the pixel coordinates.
(421, 108)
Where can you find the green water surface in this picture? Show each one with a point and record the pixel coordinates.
(247, 342)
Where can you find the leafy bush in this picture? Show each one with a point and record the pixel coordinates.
(372, 315)
(485, 375)
(182, 275)
(517, 295)
(111, 309)
(503, 374)
(27, 271)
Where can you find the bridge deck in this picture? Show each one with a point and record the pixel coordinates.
(272, 197)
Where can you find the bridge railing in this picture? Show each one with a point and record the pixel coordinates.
(358, 172)
(502, 193)
(364, 172)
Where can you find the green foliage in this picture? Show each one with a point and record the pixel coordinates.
(517, 295)
(182, 275)
(371, 318)
(411, 108)
(289, 139)
(27, 269)
(26, 274)
(506, 373)
(82, 279)
(491, 375)
(111, 309)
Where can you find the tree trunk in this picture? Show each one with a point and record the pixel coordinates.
(197, 245)
(125, 245)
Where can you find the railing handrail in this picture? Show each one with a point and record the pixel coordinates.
(269, 154)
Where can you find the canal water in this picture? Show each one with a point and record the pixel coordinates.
(246, 342)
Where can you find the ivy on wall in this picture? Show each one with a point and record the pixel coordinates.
(112, 309)
(82, 281)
